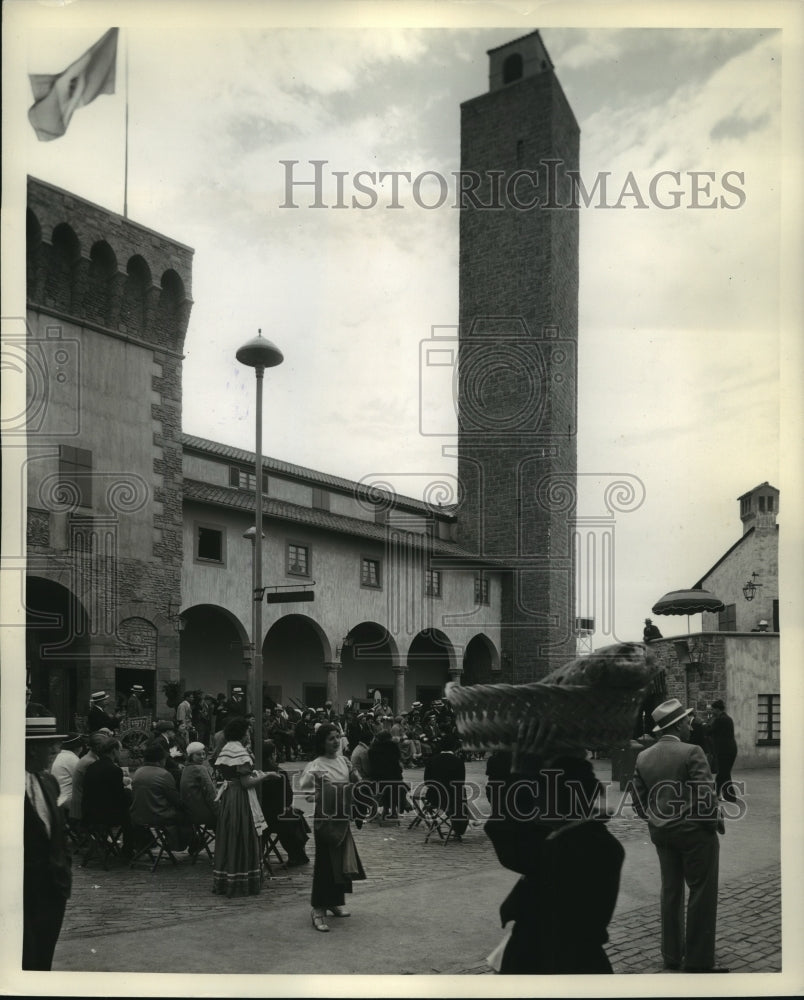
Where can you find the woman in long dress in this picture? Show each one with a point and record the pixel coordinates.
(237, 870)
(337, 863)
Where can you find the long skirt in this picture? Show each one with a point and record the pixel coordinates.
(330, 883)
(237, 870)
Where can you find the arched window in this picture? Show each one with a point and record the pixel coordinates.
(33, 244)
(65, 253)
(132, 310)
(512, 68)
(102, 269)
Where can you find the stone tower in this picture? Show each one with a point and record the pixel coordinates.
(517, 368)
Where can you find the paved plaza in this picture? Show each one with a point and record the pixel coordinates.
(425, 908)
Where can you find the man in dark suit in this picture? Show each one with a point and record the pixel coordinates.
(156, 800)
(675, 793)
(445, 777)
(106, 799)
(724, 747)
(47, 865)
(98, 717)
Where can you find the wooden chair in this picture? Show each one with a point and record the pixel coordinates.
(204, 837)
(157, 838)
(103, 840)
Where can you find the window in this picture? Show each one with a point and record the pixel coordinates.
(768, 720)
(512, 67)
(432, 582)
(298, 559)
(320, 499)
(727, 619)
(762, 505)
(770, 504)
(245, 480)
(745, 506)
(75, 471)
(209, 544)
(481, 590)
(370, 573)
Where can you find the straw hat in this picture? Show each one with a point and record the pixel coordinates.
(42, 727)
(98, 696)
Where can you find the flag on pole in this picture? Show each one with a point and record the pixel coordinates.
(58, 96)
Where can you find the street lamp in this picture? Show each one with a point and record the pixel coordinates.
(258, 354)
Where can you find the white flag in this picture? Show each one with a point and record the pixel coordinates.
(58, 96)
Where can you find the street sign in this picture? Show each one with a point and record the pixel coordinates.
(289, 596)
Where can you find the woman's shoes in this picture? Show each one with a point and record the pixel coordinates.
(338, 911)
(319, 920)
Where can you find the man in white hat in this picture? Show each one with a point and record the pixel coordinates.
(98, 718)
(47, 874)
(675, 793)
(134, 707)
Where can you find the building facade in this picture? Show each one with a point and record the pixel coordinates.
(108, 303)
(736, 656)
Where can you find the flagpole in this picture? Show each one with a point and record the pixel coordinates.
(125, 172)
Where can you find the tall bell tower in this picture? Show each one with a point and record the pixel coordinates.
(517, 357)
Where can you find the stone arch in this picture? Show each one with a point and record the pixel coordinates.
(33, 255)
(171, 298)
(368, 656)
(212, 648)
(294, 651)
(480, 658)
(431, 657)
(135, 294)
(65, 255)
(100, 279)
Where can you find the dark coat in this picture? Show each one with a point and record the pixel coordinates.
(721, 732)
(98, 719)
(563, 905)
(445, 777)
(198, 794)
(106, 802)
(46, 880)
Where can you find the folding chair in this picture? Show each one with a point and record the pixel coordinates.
(103, 840)
(204, 837)
(158, 839)
(433, 818)
(270, 841)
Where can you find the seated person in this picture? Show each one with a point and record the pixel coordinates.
(277, 807)
(166, 737)
(196, 788)
(95, 741)
(445, 777)
(107, 798)
(155, 798)
(385, 768)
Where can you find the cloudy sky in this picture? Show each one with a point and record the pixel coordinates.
(680, 309)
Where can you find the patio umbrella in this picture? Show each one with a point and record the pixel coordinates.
(687, 602)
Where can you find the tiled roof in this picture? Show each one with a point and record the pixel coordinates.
(227, 496)
(312, 476)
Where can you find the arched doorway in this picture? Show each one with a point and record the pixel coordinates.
(293, 656)
(211, 650)
(367, 660)
(430, 657)
(57, 650)
(479, 659)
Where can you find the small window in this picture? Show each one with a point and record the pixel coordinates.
(745, 506)
(209, 544)
(432, 582)
(298, 559)
(320, 498)
(243, 479)
(512, 67)
(481, 590)
(370, 573)
(762, 505)
(727, 619)
(770, 504)
(768, 720)
(381, 514)
(75, 471)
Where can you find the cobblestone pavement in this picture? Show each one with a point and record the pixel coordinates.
(749, 924)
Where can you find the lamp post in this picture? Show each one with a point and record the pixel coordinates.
(258, 354)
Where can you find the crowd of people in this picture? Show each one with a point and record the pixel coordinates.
(186, 786)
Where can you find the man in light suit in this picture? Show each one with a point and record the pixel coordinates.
(675, 793)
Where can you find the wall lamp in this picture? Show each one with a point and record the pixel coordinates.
(173, 614)
(690, 655)
(750, 588)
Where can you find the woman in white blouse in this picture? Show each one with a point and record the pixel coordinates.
(337, 863)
